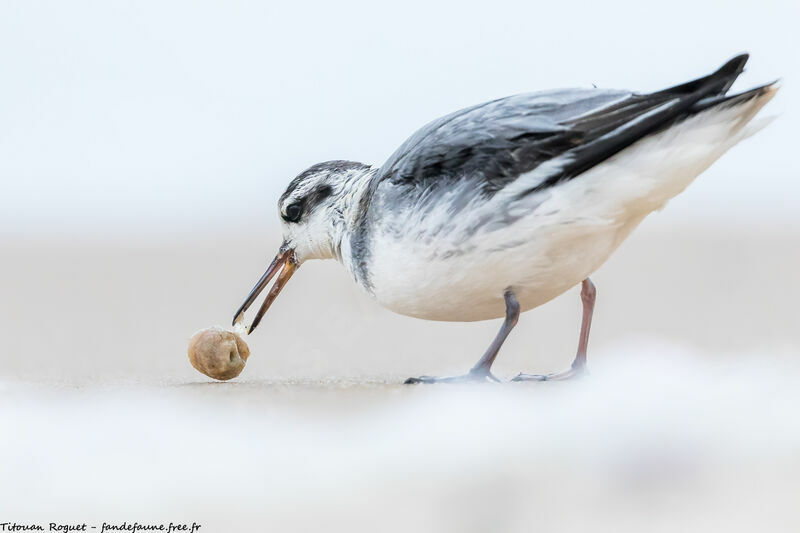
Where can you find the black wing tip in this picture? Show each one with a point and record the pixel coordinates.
(734, 66)
(716, 83)
(731, 70)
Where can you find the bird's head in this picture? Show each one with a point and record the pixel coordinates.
(312, 211)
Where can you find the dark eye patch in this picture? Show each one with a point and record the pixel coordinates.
(295, 210)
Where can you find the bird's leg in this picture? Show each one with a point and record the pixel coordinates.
(482, 370)
(578, 368)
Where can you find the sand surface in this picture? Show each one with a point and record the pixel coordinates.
(688, 421)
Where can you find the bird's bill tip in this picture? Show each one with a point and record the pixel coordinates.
(284, 262)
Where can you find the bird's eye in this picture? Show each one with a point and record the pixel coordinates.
(293, 212)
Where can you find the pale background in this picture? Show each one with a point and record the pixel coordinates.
(143, 146)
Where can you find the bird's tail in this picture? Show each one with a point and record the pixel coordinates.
(650, 113)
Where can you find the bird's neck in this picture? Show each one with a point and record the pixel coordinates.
(348, 212)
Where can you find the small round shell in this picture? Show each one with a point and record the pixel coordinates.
(218, 353)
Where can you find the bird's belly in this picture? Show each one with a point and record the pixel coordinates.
(412, 279)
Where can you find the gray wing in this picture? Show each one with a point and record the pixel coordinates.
(494, 143)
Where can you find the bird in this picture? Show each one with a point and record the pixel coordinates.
(498, 208)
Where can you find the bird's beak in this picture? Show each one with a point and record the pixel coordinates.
(285, 259)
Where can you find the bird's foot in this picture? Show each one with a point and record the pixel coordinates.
(575, 371)
(473, 376)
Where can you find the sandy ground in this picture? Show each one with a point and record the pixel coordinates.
(688, 421)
